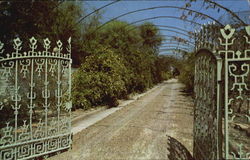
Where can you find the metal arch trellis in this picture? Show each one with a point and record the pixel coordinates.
(172, 46)
(158, 7)
(36, 93)
(191, 36)
(227, 10)
(98, 9)
(178, 39)
(171, 17)
(173, 27)
(175, 45)
(151, 18)
(185, 9)
(162, 27)
(232, 115)
(178, 43)
(187, 33)
(174, 50)
(172, 31)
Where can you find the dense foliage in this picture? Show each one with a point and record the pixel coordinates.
(45, 19)
(100, 80)
(187, 72)
(133, 63)
(113, 61)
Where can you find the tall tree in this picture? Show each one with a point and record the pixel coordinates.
(24, 19)
(45, 19)
(151, 36)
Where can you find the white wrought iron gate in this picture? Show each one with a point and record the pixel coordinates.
(236, 54)
(222, 129)
(35, 102)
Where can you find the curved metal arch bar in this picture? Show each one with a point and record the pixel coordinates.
(171, 36)
(97, 10)
(173, 45)
(228, 11)
(129, 24)
(175, 49)
(180, 43)
(160, 17)
(180, 29)
(190, 36)
(168, 29)
(173, 17)
(151, 8)
(178, 47)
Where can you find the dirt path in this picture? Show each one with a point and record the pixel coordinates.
(139, 130)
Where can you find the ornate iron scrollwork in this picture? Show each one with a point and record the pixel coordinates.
(205, 117)
(236, 69)
(39, 120)
(232, 45)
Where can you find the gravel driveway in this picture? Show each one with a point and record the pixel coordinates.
(153, 127)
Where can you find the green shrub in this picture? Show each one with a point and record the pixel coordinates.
(100, 80)
(187, 73)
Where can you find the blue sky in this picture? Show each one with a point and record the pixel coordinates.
(122, 7)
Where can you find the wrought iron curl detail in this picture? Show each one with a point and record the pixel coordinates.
(35, 130)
